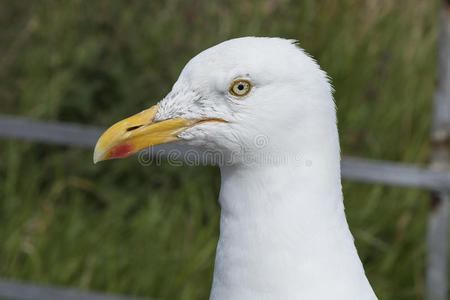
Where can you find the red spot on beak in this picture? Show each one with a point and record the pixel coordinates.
(121, 151)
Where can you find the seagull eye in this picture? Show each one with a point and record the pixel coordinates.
(240, 88)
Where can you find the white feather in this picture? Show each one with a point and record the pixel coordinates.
(283, 231)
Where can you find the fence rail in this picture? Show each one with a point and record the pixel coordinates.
(357, 169)
(16, 290)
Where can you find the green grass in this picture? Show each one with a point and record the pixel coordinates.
(152, 231)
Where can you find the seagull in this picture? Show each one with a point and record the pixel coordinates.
(263, 111)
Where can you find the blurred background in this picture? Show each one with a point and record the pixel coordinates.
(152, 231)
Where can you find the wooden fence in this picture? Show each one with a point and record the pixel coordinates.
(435, 177)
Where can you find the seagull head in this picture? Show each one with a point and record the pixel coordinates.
(241, 95)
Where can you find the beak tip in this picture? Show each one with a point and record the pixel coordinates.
(97, 157)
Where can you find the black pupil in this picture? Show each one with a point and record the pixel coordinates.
(240, 87)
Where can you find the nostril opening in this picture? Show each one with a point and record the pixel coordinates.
(133, 127)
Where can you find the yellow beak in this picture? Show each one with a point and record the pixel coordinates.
(138, 132)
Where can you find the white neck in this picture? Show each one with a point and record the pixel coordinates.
(284, 235)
